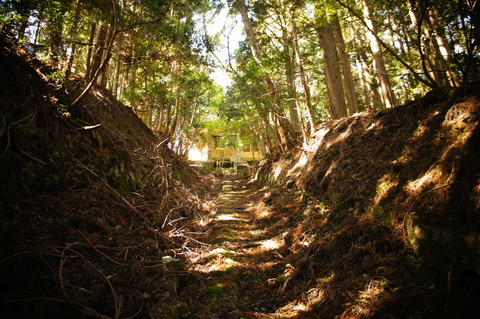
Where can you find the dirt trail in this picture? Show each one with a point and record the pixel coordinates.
(244, 267)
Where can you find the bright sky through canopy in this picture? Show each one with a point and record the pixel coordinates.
(230, 32)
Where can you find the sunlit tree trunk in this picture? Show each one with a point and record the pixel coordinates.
(115, 84)
(247, 24)
(72, 32)
(290, 75)
(439, 66)
(441, 48)
(352, 101)
(107, 53)
(126, 74)
(99, 51)
(267, 130)
(91, 50)
(362, 70)
(427, 50)
(333, 73)
(292, 94)
(387, 94)
(303, 78)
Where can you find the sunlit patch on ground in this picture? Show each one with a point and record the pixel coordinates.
(218, 259)
(291, 310)
(366, 298)
(271, 244)
(263, 214)
(226, 217)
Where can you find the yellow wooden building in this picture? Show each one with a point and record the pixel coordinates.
(225, 147)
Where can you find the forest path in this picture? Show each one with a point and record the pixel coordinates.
(243, 265)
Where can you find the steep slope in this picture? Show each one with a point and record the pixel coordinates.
(90, 201)
(392, 227)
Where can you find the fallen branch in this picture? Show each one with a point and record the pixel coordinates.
(87, 127)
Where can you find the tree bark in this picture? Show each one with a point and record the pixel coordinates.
(115, 84)
(441, 52)
(72, 31)
(417, 76)
(387, 94)
(292, 101)
(103, 63)
(91, 50)
(352, 100)
(292, 93)
(99, 52)
(303, 78)
(362, 70)
(333, 74)
(248, 27)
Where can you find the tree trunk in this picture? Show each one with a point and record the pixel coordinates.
(420, 43)
(440, 50)
(73, 30)
(303, 78)
(362, 70)
(439, 66)
(128, 69)
(288, 132)
(387, 94)
(116, 72)
(101, 67)
(333, 74)
(247, 25)
(91, 51)
(98, 54)
(352, 101)
(103, 76)
(292, 90)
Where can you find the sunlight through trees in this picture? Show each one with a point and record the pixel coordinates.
(300, 62)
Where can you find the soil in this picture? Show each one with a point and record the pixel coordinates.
(376, 217)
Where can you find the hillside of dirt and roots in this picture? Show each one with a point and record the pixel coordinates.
(376, 217)
(90, 200)
(391, 228)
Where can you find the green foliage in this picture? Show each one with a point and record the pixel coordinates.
(62, 110)
(57, 76)
(164, 56)
(216, 291)
(175, 265)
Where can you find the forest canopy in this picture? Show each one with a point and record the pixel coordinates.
(301, 61)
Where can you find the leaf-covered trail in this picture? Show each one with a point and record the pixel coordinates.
(244, 267)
